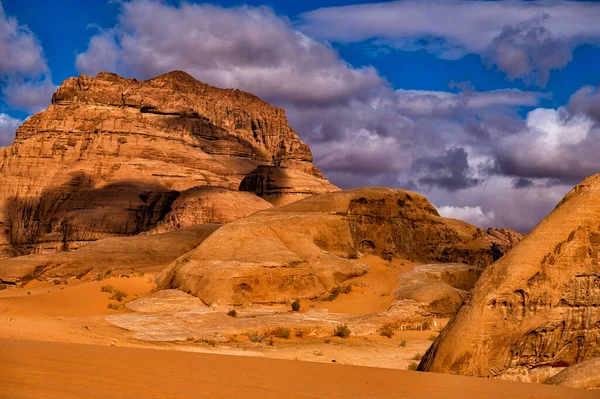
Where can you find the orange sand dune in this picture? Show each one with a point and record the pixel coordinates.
(33, 369)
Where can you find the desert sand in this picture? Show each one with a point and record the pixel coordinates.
(55, 342)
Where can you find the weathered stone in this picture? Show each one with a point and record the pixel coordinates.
(110, 156)
(536, 310)
(584, 375)
(306, 248)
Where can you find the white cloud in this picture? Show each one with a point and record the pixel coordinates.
(24, 75)
(526, 39)
(471, 214)
(8, 127)
(244, 47)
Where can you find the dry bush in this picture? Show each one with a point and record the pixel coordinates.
(119, 295)
(403, 343)
(432, 337)
(114, 306)
(296, 305)
(107, 288)
(341, 331)
(387, 330)
(417, 356)
(232, 313)
(281, 332)
(412, 366)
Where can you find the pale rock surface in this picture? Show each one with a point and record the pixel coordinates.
(536, 310)
(308, 247)
(102, 256)
(110, 156)
(584, 375)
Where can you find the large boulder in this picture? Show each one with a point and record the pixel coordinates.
(584, 375)
(536, 310)
(307, 247)
(110, 157)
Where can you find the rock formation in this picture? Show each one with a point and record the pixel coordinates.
(585, 375)
(536, 310)
(105, 255)
(441, 288)
(110, 156)
(309, 246)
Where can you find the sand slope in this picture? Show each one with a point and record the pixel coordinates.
(32, 369)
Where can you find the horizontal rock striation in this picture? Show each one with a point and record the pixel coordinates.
(110, 157)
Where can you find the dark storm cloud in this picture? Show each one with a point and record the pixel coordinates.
(450, 171)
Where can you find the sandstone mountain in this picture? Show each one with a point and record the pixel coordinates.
(536, 310)
(111, 156)
(308, 247)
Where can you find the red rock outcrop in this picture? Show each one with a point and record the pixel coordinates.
(110, 156)
(307, 247)
(536, 310)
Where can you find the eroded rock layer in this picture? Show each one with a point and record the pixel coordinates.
(536, 310)
(307, 247)
(110, 156)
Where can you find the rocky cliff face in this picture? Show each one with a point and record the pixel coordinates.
(536, 310)
(110, 156)
(307, 247)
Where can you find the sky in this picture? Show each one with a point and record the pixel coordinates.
(491, 109)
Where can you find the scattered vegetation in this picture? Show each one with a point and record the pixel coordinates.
(387, 330)
(256, 337)
(432, 337)
(119, 295)
(388, 256)
(327, 341)
(270, 342)
(57, 282)
(343, 289)
(114, 306)
(282, 332)
(232, 313)
(137, 273)
(2, 286)
(210, 342)
(412, 366)
(403, 343)
(353, 255)
(107, 288)
(341, 331)
(417, 356)
(296, 305)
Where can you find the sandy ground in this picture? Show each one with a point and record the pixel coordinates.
(55, 342)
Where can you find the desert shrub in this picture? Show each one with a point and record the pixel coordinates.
(107, 288)
(114, 306)
(412, 366)
(403, 343)
(333, 294)
(119, 295)
(345, 289)
(57, 282)
(417, 356)
(2, 286)
(341, 331)
(386, 330)
(299, 333)
(210, 342)
(255, 337)
(28, 293)
(232, 313)
(432, 337)
(282, 332)
(353, 255)
(296, 305)
(388, 256)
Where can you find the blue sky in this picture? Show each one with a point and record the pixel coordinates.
(490, 109)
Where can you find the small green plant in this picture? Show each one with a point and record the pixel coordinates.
(119, 295)
(232, 313)
(296, 305)
(412, 366)
(282, 332)
(114, 306)
(107, 288)
(432, 337)
(341, 331)
(387, 330)
(417, 356)
(255, 337)
(403, 343)
(388, 256)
